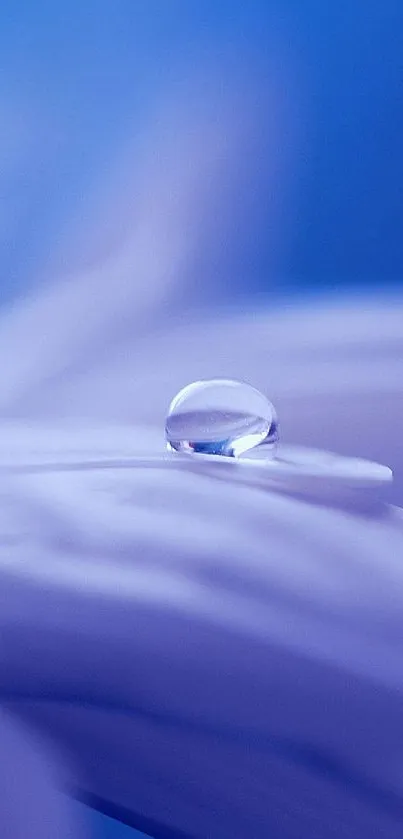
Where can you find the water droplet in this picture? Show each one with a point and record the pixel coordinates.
(220, 417)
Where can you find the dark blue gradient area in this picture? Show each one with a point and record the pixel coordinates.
(108, 828)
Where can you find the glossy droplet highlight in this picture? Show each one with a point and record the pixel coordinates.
(220, 417)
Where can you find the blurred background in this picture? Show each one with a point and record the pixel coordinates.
(281, 121)
(308, 95)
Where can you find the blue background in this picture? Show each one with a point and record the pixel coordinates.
(77, 77)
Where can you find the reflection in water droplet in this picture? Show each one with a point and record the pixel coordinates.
(220, 417)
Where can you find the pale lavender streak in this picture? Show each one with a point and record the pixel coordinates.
(217, 660)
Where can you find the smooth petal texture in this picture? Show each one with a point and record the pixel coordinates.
(31, 803)
(222, 660)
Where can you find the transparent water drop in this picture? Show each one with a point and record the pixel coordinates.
(220, 417)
